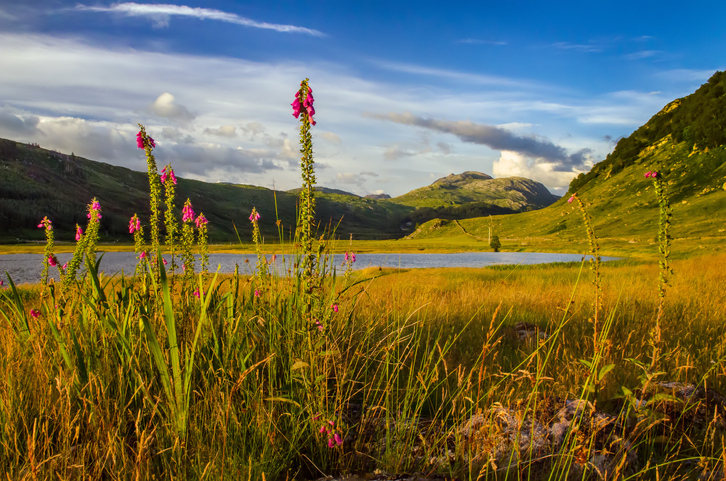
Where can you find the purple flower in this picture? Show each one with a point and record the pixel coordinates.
(338, 439)
(187, 212)
(257, 293)
(79, 233)
(254, 216)
(151, 142)
(334, 307)
(1, 282)
(46, 223)
(331, 443)
(52, 261)
(94, 211)
(352, 257)
(296, 106)
(315, 418)
(65, 266)
(569, 201)
(201, 220)
(323, 429)
(139, 141)
(318, 325)
(142, 255)
(346, 257)
(196, 293)
(35, 313)
(164, 260)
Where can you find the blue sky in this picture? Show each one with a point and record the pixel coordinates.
(406, 92)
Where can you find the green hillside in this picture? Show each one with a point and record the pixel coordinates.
(36, 182)
(685, 142)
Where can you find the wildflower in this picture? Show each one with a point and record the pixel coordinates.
(35, 313)
(569, 201)
(140, 141)
(168, 175)
(165, 263)
(79, 233)
(346, 257)
(94, 211)
(142, 255)
(318, 325)
(196, 293)
(52, 261)
(352, 257)
(296, 106)
(338, 439)
(334, 307)
(200, 220)
(65, 266)
(257, 293)
(254, 216)
(331, 443)
(133, 224)
(315, 418)
(46, 223)
(187, 212)
(1, 282)
(323, 429)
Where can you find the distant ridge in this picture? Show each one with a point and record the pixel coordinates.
(37, 182)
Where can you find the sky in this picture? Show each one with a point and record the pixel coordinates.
(405, 92)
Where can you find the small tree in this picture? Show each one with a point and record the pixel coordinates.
(495, 244)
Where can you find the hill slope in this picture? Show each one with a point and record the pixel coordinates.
(685, 142)
(38, 182)
(515, 193)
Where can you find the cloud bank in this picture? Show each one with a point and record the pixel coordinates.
(497, 138)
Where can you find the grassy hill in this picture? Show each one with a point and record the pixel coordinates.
(515, 193)
(36, 182)
(685, 142)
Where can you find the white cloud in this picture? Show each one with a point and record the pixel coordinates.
(330, 137)
(642, 54)
(223, 131)
(166, 106)
(513, 164)
(160, 14)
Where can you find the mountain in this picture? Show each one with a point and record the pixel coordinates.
(685, 142)
(36, 182)
(515, 193)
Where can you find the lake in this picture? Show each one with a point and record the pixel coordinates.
(26, 268)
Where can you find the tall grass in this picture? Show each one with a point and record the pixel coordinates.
(315, 369)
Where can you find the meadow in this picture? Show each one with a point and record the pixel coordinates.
(566, 371)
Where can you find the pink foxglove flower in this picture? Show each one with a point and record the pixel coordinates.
(65, 266)
(254, 216)
(196, 293)
(187, 212)
(164, 260)
(569, 201)
(257, 293)
(201, 220)
(142, 255)
(139, 141)
(274, 257)
(335, 307)
(323, 429)
(35, 313)
(346, 257)
(352, 257)
(331, 443)
(338, 439)
(79, 233)
(318, 325)
(1, 282)
(52, 261)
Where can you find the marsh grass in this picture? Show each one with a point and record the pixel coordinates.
(90, 393)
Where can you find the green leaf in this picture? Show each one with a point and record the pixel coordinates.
(604, 370)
